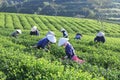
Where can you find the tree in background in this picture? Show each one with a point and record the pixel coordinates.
(18, 5)
(88, 13)
(98, 5)
(53, 5)
(3, 4)
(49, 8)
(1, 1)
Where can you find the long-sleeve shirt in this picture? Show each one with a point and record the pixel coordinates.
(99, 39)
(78, 37)
(15, 34)
(34, 33)
(70, 52)
(42, 43)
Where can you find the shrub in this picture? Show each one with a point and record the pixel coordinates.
(2, 76)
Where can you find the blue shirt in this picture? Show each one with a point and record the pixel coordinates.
(78, 37)
(70, 52)
(42, 43)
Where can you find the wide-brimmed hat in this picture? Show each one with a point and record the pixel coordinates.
(50, 33)
(34, 28)
(100, 34)
(62, 29)
(51, 38)
(62, 41)
(19, 31)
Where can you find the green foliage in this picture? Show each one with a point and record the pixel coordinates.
(16, 22)
(18, 60)
(27, 67)
(9, 21)
(24, 22)
(73, 8)
(46, 22)
(2, 20)
(40, 23)
(31, 21)
(2, 76)
(72, 25)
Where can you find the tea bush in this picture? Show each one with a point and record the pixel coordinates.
(21, 66)
(19, 61)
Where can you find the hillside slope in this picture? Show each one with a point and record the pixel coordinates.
(18, 60)
(72, 25)
(73, 8)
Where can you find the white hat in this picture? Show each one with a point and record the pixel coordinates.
(50, 33)
(19, 31)
(62, 29)
(51, 38)
(100, 34)
(62, 41)
(34, 28)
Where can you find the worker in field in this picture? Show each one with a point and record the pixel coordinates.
(34, 31)
(70, 52)
(16, 33)
(100, 37)
(44, 43)
(65, 34)
(78, 36)
(50, 33)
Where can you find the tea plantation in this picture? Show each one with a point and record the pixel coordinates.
(19, 61)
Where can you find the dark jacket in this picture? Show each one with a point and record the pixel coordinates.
(99, 39)
(65, 34)
(15, 34)
(34, 33)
